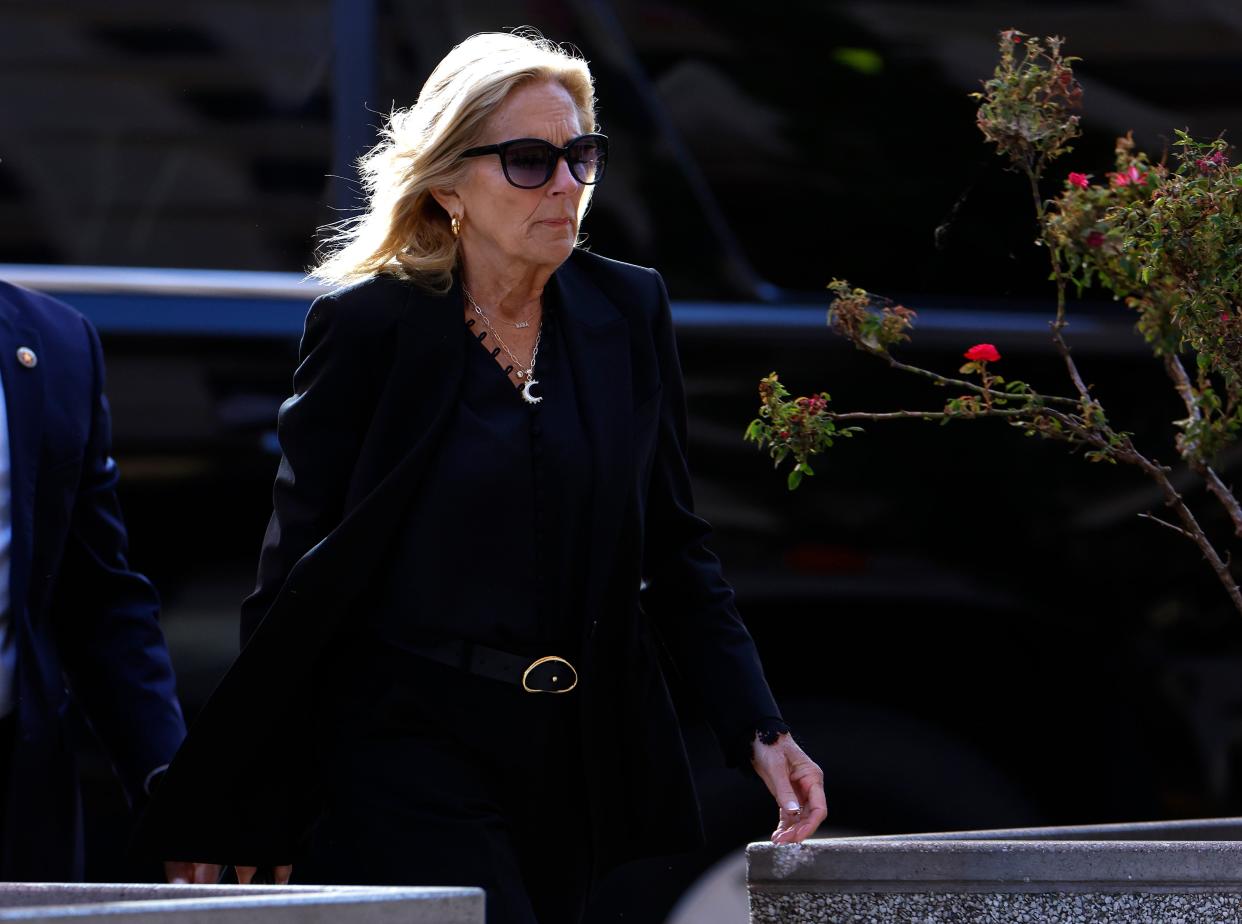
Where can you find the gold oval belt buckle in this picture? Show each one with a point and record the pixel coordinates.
(555, 678)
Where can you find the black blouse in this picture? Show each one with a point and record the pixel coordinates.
(494, 547)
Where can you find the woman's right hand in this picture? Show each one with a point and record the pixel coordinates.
(797, 784)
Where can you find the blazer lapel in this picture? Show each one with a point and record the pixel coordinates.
(423, 387)
(23, 397)
(424, 382)
(598, 341)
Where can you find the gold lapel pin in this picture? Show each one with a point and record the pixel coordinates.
(27, 358)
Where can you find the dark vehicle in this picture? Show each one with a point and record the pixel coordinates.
(967, 628)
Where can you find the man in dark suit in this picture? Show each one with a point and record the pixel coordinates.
(76, 624)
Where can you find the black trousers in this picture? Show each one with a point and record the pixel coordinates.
(434, 776)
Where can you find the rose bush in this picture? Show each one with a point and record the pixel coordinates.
(1164, 238)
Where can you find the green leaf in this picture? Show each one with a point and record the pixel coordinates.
(795, 479)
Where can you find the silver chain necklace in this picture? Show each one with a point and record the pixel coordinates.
(524, 373)
(525, 322)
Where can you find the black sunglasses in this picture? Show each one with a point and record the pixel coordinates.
(529, 163)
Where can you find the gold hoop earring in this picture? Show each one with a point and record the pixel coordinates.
(456, 225)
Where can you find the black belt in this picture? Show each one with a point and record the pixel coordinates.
(548, 674)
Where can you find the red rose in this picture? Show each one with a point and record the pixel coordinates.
(1080, 180)
(982, 353)
(1095, 239)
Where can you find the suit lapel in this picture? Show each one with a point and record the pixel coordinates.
(597, 336)
(23, 397)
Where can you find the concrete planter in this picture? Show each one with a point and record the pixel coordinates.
(201, 904)
(1172, 873)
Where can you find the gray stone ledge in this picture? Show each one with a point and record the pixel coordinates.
(992, 908)
(869, 865)
(87, 903)
(1187, 872)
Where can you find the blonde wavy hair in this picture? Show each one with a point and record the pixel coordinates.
(404, 230)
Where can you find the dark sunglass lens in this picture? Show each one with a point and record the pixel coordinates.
(586, 160)
(527, 164)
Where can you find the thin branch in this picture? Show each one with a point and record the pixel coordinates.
(1222, 493)
(1181, 382)
(1160, 474)
(1190, 525)
(1102, 441)
(927, 415)
(1058, 325)
(1167, 525)
(1063, 347)
(1032, 176)
(1058, 274)
(969, 386)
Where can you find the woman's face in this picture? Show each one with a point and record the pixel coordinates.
(503, 227)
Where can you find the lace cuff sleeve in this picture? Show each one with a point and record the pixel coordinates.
(770, 728)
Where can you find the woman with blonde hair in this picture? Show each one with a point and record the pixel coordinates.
(449, 674)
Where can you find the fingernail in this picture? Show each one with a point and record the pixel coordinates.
(177, 880)
(793, 807)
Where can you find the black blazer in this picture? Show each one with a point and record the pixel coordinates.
(79, 614)
(381, 364)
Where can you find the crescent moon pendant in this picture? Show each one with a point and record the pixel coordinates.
(527, 396)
